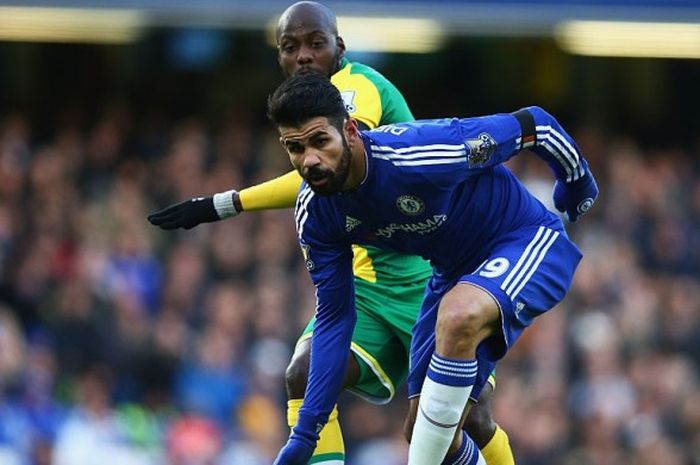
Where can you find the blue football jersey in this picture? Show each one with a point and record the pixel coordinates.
(434, 188)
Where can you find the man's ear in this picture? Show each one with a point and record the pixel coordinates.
(351, 128)
(352, 131)
(340, 43)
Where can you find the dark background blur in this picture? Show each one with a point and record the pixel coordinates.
(120, 343)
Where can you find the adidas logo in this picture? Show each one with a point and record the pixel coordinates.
(351, 223)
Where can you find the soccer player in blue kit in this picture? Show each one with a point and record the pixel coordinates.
(438, 189)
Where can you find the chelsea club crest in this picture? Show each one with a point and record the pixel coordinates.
(410, 205)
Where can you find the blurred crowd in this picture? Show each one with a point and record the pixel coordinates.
(124, 344)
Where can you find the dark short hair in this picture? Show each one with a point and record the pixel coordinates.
(303, 97)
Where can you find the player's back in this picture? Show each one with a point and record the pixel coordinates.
(425, 187)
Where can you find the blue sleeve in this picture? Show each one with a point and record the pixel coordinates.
(491, 140)
(445, 152)
(330, 341)
(329, 262)
(543, 134)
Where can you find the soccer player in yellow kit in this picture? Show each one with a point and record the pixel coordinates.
(388, 286)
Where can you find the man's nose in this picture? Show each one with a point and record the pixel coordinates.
(304, 56)
(311, 159)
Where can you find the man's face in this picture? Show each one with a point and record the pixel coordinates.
(304, 47)
(320, 153)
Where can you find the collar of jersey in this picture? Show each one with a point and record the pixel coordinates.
(366, 142)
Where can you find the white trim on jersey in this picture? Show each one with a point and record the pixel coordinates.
(529, 261)
(441, 161)
(417, 148)
(302, 200)
(560, 160)
(415, 156)
(562, 150)
(420, 155)
(302, 214)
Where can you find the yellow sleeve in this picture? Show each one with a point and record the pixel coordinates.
(361, 96)
(280, 192)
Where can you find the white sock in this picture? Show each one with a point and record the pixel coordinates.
(443, 397)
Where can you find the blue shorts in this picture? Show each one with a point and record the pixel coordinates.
(527, 273)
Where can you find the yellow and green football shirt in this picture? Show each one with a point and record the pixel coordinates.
(388, 286)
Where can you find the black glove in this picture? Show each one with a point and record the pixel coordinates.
(187, 214)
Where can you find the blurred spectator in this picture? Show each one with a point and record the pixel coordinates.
(193, 440)
(260, 437)
(94, 432)
(212, 383)
(123, 344)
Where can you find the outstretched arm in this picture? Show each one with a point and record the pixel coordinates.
(277, 193)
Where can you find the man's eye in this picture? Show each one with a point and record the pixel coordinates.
(318, 44)
(295, 148)
(289, 48)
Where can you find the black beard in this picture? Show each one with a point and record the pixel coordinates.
(336, 179)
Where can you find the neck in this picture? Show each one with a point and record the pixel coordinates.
(358, 165)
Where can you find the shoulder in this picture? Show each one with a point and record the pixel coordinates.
(316, 217)
(357, 71)
(364, 77)
(370, 97)
(417, 146)
(358, 79)
(421, 131)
